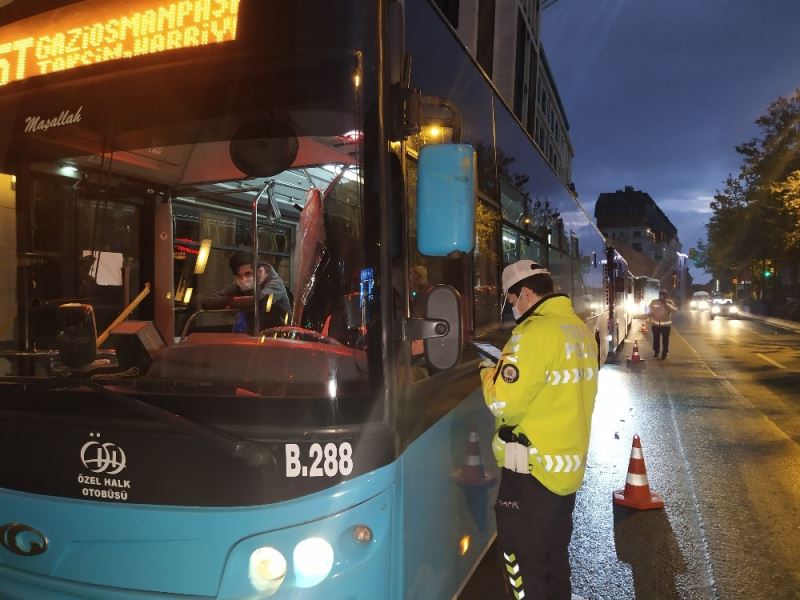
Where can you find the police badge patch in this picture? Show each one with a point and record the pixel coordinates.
(510, 373)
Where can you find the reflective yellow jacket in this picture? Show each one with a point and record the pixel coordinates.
(545, 386)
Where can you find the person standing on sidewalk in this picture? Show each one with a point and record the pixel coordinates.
(542, 394)
(660, 311)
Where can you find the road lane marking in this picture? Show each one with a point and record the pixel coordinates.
(699, 525)
(769, 360)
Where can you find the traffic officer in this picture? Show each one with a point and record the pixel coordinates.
(542, 394)
(660, 311)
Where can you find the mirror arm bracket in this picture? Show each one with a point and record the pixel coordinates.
(424, 329)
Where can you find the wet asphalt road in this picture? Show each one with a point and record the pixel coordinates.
(719, 422)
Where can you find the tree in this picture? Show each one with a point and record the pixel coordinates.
(787, 193)
(700, 256)
(756, 216)
(728, 230)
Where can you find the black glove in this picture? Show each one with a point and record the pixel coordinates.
(506, 433)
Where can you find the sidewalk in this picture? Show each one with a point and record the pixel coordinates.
(785, 323)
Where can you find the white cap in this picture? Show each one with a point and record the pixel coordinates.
(516, 272)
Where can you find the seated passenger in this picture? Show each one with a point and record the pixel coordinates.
(273, 301)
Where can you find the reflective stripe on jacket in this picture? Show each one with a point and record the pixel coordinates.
(661, 311)
(545, 386)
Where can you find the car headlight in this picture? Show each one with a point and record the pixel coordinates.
(313, 559)
(267, 570)
(733, 310)
(693, 304)
(715, 309)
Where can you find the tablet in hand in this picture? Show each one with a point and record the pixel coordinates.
(489, 351)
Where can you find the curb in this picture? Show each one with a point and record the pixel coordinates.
(786, 324)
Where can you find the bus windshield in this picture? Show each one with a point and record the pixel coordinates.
(131, 191)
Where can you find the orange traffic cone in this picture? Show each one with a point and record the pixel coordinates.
(637, 492)
(472, 473)
(635, 360)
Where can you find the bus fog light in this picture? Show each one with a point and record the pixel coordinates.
(267, 570)
(362, 534)
(313, 560)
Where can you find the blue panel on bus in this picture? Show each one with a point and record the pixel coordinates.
(446, 199)
(138, 552)
(450, 481)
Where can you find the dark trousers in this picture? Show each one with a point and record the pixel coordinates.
(661, 334)
(534, 527)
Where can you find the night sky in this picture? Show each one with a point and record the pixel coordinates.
(659, 92)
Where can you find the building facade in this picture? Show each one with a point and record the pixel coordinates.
(503, 37)
(632, 217)
(632, 222)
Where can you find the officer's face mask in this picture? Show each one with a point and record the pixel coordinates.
(515, 312)
(521, 305)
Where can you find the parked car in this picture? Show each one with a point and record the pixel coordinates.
(700, 301)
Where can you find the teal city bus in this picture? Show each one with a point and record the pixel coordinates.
(148, 447)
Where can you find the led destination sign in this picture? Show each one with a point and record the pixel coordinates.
(98, 31)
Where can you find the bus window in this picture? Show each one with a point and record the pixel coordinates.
(486, 266)
(8, 276)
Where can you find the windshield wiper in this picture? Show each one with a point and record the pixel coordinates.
(254, 454)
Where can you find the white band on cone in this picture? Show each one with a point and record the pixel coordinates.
(636, 479)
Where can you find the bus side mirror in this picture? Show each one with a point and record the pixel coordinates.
(443, 303)
(446, 199)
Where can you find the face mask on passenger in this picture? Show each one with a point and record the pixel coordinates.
(515, 312)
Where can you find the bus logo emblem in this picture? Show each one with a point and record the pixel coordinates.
(105, 458)
(22, 539)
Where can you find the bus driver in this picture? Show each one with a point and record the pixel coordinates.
(273, 300)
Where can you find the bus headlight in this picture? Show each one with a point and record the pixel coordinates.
(267, 570)
(313, 559)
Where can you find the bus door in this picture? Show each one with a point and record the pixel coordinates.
(82, 240)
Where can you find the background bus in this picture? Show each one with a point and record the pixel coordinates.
(620, 300)
(645, 290)
(341, 457)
